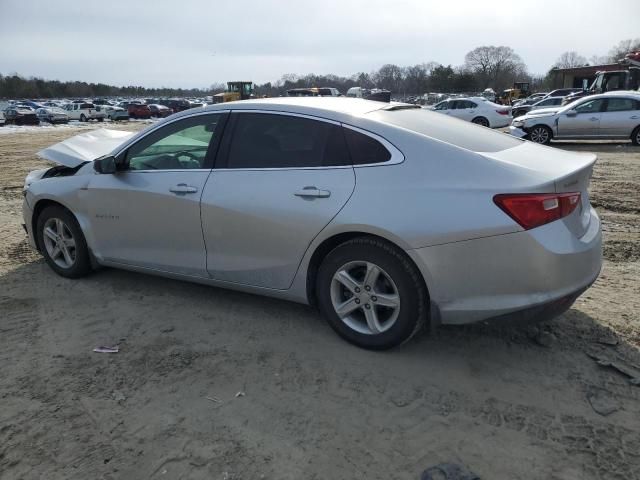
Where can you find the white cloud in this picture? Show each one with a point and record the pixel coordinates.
(193, 43)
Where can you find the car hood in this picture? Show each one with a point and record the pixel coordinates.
(543, 112)
(85, 147)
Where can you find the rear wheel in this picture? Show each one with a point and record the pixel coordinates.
(101, 119)
(62, 243)
(371, 294)
(481, 121)
(540, 134)
(635, 136)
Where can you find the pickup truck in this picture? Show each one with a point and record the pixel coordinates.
(84, 112)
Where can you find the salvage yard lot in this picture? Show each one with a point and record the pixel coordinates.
(211, 383)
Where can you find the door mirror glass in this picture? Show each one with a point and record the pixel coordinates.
(571, 113)
(105, 165)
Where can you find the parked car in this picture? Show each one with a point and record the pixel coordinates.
(30, 104)
(114, 113)
(2, 119)
(609, 116)
(159, 111)
(52, 115)
(176, 104)
(563, 92)
(531, 99)
(477, 110)
(385, 216)
(548, 102)
(84, 112)
(136, 110)
(21, 116)
(52, 103)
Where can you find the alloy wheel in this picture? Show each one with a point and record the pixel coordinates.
(539, 135)
(365, 297)
(59, 242)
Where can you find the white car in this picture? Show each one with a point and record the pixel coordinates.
(114, 113)
(477, 110)
(84, 112)
(609, 116)
(547, 102)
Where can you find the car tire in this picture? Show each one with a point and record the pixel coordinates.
(364, 320)
(83, 118)
(635, 136)
(481, 121)
(62, 243)
(101, 119)
(540, 134)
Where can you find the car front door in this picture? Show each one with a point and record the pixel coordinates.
(582, 121)
(148, 214)
(278, 181)
(620, 117)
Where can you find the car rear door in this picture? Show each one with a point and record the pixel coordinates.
(148, 214)
(278, 181)
(620, 117)
(585, 122)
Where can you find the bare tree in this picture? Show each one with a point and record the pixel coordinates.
(624, 47)
(494, 66)
(570, 60)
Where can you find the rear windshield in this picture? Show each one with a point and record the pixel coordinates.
(87, 105)
(450, 130)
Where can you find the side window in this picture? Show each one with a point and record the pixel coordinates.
(620, 104)
(442, 105)
(592, 106)
(364, 149)
(262, 140)
(180, 145)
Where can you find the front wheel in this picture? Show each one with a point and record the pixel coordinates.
(62, 243)
(540, 134)
(371, 294)
(83, 118)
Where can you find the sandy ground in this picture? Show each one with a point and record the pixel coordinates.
(508, 404)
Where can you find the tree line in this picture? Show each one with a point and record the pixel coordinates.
(496, 67)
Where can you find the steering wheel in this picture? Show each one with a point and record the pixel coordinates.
(191, 157)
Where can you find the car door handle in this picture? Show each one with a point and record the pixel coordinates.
(594, 119)
(635, 117)
(312, 192)
(183, 188)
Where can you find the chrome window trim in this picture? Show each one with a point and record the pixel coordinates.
(396, 155)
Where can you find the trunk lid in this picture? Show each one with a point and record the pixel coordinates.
(552, 170)
(85, 147)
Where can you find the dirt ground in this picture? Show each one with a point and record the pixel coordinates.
(216, 384)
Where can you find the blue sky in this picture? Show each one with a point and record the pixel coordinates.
(194, 43)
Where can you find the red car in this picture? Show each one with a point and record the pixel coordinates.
(137, 110)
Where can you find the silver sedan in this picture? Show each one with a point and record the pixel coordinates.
(609, 116)
(386, 217)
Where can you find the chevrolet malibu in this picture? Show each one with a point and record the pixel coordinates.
(609, 116)
(385, 217)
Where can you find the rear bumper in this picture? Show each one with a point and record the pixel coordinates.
(501, 121)
(531, 273)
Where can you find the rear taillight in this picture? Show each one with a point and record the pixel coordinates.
(503, 112)
(531, 210)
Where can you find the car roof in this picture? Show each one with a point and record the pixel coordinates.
(616, 93)
(336, 108)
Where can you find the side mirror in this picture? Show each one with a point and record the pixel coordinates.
(572, 113)
(105, 164)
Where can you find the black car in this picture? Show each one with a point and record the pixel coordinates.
(21, 116)
(177, 105)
